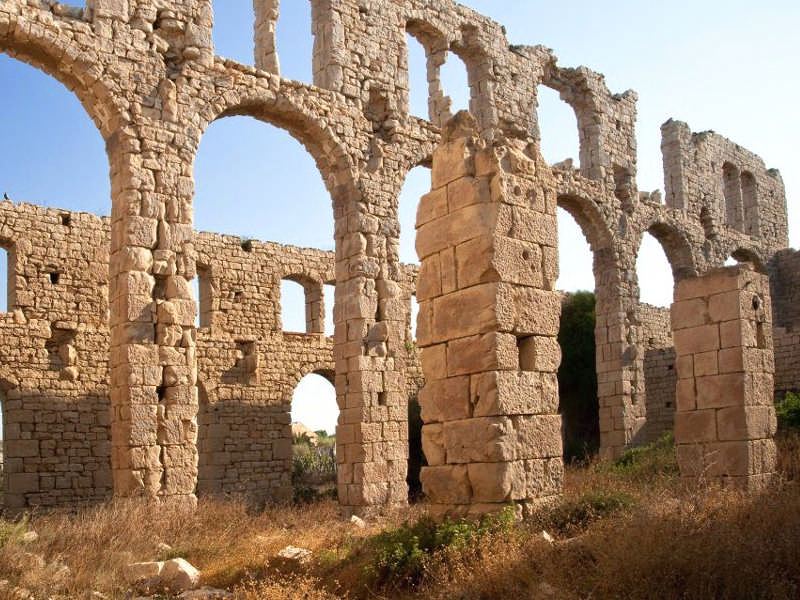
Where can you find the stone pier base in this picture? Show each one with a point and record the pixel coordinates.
(725, 415)
(486, 236)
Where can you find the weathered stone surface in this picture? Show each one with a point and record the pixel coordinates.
(102, 315)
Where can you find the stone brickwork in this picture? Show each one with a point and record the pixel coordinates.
(722, 324)
(54, 360)
(491, 433)
(148, 76)
(659, 370)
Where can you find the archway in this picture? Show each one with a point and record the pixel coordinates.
(438, 80)
(314, 415)
(664, 257)
(577, 373)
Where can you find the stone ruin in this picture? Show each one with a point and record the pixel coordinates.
(110, 389)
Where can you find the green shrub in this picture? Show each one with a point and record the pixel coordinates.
(12, 530)
(572, 515)
(400, 556)
(788, 412)
(645, 463)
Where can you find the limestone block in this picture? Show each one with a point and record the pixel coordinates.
(455, 228)
(467, 190)
(485, 352)
(484, 439)
(432, 205)
(448, 484)
(746, 423)
(696, 426)
(538, 353)
(498, 482)
(496, 258)
(716, 391)
(537, 436)
(513, 393)
(692, 340)
(690, 313)
(451, 161)
(445, 400)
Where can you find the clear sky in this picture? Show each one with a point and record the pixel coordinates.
(728, 66)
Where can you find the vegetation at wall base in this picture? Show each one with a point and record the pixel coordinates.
(625, 530)
(577, 377)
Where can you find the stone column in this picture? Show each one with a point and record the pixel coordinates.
(153, 363)
(266, 20)
(486, 236)
(725, 417)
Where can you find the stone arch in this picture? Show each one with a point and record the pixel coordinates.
(749, 255)
(253, 98)
(48, 49)
(677, 247)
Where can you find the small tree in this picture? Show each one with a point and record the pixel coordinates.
(577, 376)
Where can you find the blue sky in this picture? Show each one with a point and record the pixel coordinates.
(728, 66)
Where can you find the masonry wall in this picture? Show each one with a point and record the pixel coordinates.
(54, 345)
(149, 78)
(659, 370)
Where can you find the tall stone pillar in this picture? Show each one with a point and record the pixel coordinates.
(488, 321)
(153, 361)
(725, 417)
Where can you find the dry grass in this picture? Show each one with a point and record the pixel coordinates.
(654, 539)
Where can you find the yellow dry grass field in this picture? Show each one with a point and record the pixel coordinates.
(629, 530)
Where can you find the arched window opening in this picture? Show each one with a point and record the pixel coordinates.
(438, 81)
(266, 171)
(654, 273)
(454, 79)
(414, 313)
(752, 225)
(294, 307)
(656, 277)
(744, 256)
(577, 373)
(314, 414)
(329, 301)
(557, 130)
(732, 191)
(40, 114)
(418, 93)
(295, 40)
(417, 184)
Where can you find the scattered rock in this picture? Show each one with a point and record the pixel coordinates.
(29, 537)
(206, 593)
(295, 554)
(94, 595)
(179, 576)
(358, 522)
(138, 573)
(547, 537)
(162, 548)
(544, 591)
(175, 575)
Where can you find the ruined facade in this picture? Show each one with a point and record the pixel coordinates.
(109, 385)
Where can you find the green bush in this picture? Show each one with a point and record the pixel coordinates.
(645, 463)
(788, 412)
(314, 471)
(399, 556)
(572, 515)
(12, 530)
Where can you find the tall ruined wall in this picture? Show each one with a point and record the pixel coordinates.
(54, 357)
(721, 183)
(54, 348)
(148, 76)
